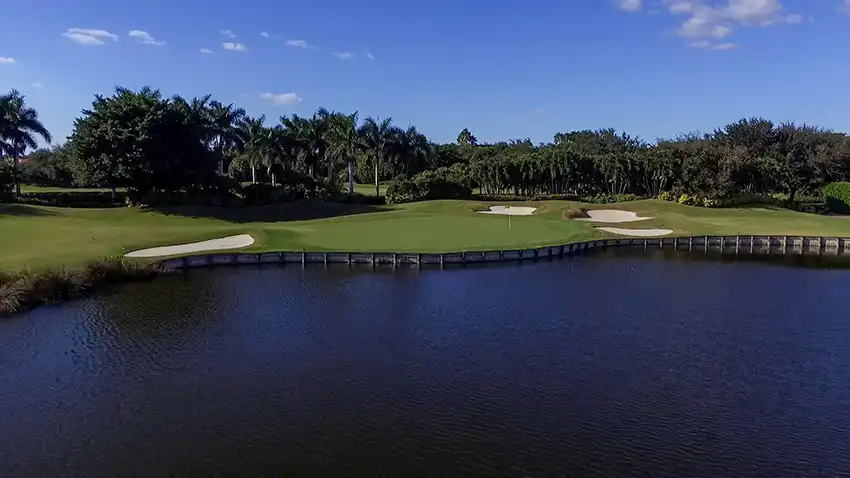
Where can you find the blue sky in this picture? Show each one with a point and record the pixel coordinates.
(504, 69)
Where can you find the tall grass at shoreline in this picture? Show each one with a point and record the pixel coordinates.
(30, 289)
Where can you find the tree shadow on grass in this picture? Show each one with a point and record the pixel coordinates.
(296, 211)
(23, 210)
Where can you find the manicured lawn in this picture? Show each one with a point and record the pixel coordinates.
(368, 189)
(38, 237)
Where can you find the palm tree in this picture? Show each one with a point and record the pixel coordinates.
(225, 129)
(257, 144)
(375, 136)
(344, 142)
(19, 125)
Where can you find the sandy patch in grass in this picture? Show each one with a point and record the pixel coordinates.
(636, 232)
(510, 211)
(611, 216)
(231, 242)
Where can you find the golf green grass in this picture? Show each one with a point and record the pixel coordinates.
(34, 237)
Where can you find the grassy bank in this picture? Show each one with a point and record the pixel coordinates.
(35, 238)
(26, 290)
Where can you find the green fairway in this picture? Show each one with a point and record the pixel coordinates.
(37, 237)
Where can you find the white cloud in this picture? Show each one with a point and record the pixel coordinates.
(87, 36)
(345, 55)
(234, 46)
(630, 5)
(281, 99)
(206, 51)
(37, 85)
(709, 45)
(707, 21)
(370, 56)
(144, 38)
(264, 34)
(227, 33)
(299, 44)
(5, 60)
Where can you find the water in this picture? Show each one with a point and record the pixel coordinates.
(589, 366)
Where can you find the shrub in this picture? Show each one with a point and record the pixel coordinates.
(517, 197)
(570, 212)
(837, 196)
(404, 191)
(31, 289)
(610, 198)
(666, 196)
(441, 183)
(85, 199)
(11, 296)
(292, 186)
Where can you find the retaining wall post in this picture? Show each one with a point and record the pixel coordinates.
(752, 238)
(441, 259)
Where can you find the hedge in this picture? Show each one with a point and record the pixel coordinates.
(837, 197)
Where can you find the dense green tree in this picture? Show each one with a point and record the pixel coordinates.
(141, 141)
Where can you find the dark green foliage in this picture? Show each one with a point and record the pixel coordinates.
(293, 186)
(837, 197)
(75, 199)
(7, 181)
(141, 141)
(610, 198)
(441, 183)
(49, 167)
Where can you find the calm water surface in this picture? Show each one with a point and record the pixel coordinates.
(590, 366)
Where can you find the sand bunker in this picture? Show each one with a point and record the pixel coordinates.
(510, 211)
(611, 216)
(231, 242)
(636, 232)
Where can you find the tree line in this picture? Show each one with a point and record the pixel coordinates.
(145, 141)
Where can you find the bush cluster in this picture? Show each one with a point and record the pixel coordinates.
(293, 186)
(837, 197)
(31, 289)
(610, 198)
(440, 183)
(75, 199)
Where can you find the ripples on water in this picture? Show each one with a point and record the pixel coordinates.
(590, 366)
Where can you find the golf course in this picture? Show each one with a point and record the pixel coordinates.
(35, 237)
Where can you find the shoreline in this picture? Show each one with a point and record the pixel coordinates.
(737, 245)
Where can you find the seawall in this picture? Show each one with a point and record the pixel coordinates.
(725, 244)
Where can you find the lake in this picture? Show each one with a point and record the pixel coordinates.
(602, 365)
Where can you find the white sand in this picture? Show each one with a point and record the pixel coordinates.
(510, 211)
(231, 242)
(611, 216)
(636, 232)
